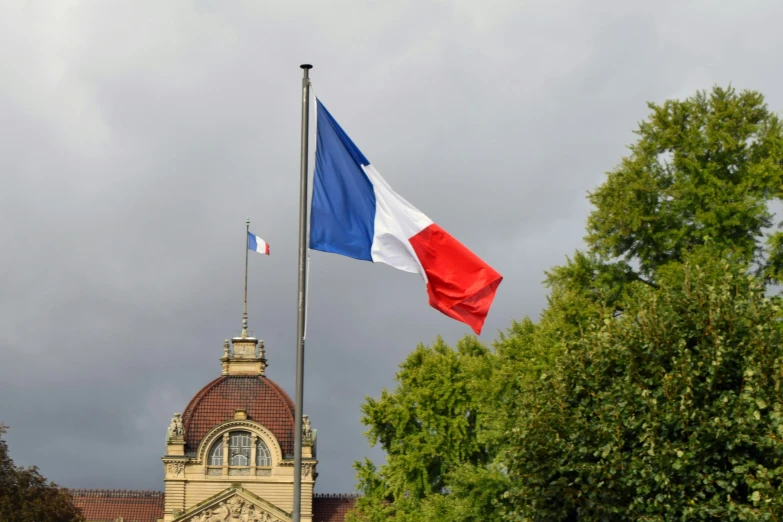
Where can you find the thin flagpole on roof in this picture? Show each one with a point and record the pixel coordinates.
(247, 249)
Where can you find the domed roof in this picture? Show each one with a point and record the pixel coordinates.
(263, 400)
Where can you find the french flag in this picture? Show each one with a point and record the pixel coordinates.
(257, 244)
(355, 213)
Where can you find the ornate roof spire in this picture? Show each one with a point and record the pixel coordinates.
(245, 355)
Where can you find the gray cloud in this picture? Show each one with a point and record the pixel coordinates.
(136, 137)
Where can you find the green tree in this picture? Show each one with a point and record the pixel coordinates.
(696, 187)
(673, 410)
(26, 496)
(707, 167)
(444, 428)
(430, 428)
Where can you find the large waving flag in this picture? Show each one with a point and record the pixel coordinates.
(355, 213)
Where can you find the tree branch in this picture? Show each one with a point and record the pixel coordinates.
(645, 281)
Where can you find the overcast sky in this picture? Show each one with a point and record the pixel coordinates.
(137, 136)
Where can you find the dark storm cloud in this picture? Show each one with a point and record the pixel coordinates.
(137, 136)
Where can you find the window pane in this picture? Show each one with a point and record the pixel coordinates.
(263, 456)
(216, 454)
(239, 449)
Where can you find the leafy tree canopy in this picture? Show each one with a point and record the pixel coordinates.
(704, 168)
(649, 387)
(26, 496)
(673, 410)
(430, 429)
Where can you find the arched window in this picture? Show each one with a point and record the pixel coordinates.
(263, 456)
(216, 454)
(240, 453)
(239, 448)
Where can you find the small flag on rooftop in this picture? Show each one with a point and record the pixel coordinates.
(257, 244)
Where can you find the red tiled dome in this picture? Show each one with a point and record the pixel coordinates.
(265, 402)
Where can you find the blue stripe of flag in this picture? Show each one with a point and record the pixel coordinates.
(342, 219)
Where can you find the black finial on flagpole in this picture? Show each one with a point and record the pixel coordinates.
(306, 66)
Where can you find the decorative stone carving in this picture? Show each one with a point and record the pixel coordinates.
(214, 471)
(225, 358)
(307, 432)
(235, 509)
(263, 472)
(205, 516)
(239, 471)
(176, 429)
(308, 468)
(175, 468)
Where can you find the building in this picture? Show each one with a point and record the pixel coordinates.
(229, 456)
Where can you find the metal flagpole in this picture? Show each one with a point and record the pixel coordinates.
(300, 320)
(247, 247)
